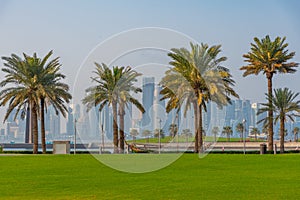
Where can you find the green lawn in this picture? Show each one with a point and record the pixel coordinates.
(215, 176)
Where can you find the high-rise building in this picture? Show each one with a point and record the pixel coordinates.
(148, 99)
(256, 118)
(159, 110)
(70, 122)
(218, 115)
(54, 126)
(128, 119)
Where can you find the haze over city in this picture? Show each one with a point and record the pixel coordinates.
(73, 29)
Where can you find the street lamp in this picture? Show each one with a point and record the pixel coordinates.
(159, 147)
(177, 130)
(244, 135)
(75, 133)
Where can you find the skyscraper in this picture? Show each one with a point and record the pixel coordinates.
(159, 110)
(148, 99)
(70, 122)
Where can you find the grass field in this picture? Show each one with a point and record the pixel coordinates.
(212, 177)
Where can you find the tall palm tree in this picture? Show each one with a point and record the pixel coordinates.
(256, 132)
(125, 86)
(38, 82)
(53, 91)
(173, 129)
(227, 130)
(114, 87)
(105, 92)
(240, 129)
(295, 132)
(269, 57)
(215, 131)
(198, 78)
(23, 89)
(284, 105)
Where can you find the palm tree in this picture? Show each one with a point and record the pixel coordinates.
(227, 130)
(173, 129)
(240, 129)
(295, 132)
(147, 133)
(134, 132)
(114, 87)
(105, 93)
(125, 87)
(186, 133)
(52, 92)
(22, 91)
(215, 131)
(256, 132)
(158, 132)
(197, 78)
(284, 105)
(38, 83)
(269, 57)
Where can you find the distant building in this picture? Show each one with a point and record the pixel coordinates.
(70, 122)
(148, 100)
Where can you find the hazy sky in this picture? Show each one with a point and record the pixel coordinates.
(74, 28)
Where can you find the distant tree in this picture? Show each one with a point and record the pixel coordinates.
(159, 131)
(187, 134)
(295, 132)
(173, 129)
(256, 132)
(134, 132)
(227, 130)
(215, 131)
(147, 134)
(240, 129)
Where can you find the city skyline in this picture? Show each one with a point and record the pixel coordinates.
(89, 124)
(78, 28)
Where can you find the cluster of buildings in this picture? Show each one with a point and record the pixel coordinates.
(91, 125)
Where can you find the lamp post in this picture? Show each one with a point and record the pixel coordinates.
(75, 133)
(244, 132)
(177, 131)
(159, 147)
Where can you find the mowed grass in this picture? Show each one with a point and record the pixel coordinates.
(212, 177)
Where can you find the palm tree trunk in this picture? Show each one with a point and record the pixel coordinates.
(228, 137)
(28, 132)
(281, 134)
(255, 137)
(295, 137)
(115, 127)
(34, 128)
(43, 134)
(121, 129)
(270, 113)
(196, 126)
(215, 137)
(200, 131)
